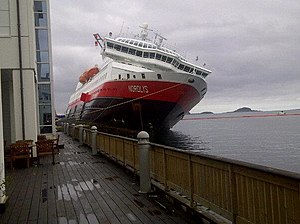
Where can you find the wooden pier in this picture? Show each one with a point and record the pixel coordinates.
(79, 188)
(222, 190)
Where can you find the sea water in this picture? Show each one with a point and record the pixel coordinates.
(262, 138)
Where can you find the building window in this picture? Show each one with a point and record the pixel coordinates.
(4, 18)
(41, 39)
(40, 6)
(40, 19)
(42, 56)
(45, 113)
(43, 70)
(45, 129)
(44, 93)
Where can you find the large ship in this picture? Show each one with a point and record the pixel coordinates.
(141, 85)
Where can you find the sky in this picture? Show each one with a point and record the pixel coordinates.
(252, 47)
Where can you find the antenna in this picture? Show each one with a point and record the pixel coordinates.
(121, 29)
(160, 39)
(144, 31)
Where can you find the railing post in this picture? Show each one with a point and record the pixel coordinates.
(144, 164)
(68, 130)
(94, 140)
(73, 131)
(80, 134)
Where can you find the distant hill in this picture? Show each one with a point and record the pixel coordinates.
(206, 112)
(244, 109)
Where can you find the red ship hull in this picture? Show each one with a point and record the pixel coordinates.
(135, 104)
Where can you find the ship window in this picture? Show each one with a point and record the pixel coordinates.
(198, 72)
(128, 76)
(110, 45)
(132, 51)
(119, 76)
(158, 56)
(143, 76)
(139, 53)
(131, 42)
(127, 41)
(146, 55)
(152, 55)
(134, 76)
(159, 76)
(186, 68)
(145, 45)
(135, 43)
(192, 70)
(204, 74)
(169, 60)
(140, 44)
(164, 58)
(124, 49)
(181, 66)
(117, 47)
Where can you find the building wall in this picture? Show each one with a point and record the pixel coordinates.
(37, 90)
(9, 61)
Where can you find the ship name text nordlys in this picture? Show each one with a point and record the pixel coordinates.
(138, 89)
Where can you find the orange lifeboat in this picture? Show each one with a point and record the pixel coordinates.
(88, 74)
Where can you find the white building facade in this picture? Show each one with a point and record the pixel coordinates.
(26, 102)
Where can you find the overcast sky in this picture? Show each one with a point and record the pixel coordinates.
(251, 46)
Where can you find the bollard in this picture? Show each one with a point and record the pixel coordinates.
(80, 134)
(68, 130)
(144, 148)
(94, 140)
(73, 131)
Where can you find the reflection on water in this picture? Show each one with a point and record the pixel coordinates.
(178, 139)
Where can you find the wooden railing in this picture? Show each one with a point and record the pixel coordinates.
(224, 190)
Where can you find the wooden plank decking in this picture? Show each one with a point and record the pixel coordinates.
(79, 188)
